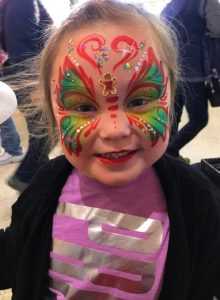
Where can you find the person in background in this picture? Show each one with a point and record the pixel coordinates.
(8, 102)
(23, 39)
(11, 150)
(187, 19)
(114, 217)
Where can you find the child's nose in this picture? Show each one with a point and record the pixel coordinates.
(115, 128)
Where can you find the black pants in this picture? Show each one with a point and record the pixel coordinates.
(38, 148)
(193, 96)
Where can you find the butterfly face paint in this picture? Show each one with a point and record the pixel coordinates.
(112, 98)
(150, 86)
(75, 88)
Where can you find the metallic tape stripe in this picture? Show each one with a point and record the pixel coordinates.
(108, 280)
(122, 220)
(97, 258)
(98, 217)
(72, 293)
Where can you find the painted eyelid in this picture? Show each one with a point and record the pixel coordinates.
(80, 100)
(141, 90)
(78, 96)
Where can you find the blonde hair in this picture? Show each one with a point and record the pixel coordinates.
(91, 12)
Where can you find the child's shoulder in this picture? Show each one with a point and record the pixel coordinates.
(188, 190)
(179, 168)
(186, 178)
(47, 183)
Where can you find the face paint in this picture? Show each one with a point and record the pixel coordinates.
(112, 99)
(150, 85)
(109, 85)
(101, 52)
(70, 47)
(71, 129)
(113, 107)
(73, 80)
(155, 121)
(128, 53)
(109, 66)
(102, 57)
(74, 131)
(75, 87)
(151, 75)
(113, 116)
(92, 126)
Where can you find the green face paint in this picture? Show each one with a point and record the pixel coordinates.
(73, 90)
(71, 86)
(71, 129)
(153, 123)
(150, 86)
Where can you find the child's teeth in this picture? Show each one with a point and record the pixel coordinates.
(115, 155)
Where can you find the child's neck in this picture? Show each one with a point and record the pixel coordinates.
(130, 198)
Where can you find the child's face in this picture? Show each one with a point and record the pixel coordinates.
(111, 97)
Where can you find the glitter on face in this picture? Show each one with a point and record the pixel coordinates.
(147, 81)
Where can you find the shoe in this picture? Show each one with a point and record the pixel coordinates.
(17, 184)
(6, 158)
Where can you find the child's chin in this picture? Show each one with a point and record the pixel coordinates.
(118, 178)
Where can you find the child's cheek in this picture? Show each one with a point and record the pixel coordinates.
(152, 124)
(75, 132)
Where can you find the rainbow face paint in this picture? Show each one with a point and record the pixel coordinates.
(75, 88)
(147, 82)
(153, 123)
(111, 99)
(150, 85)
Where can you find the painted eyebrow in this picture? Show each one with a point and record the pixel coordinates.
(75, 93)
(141, 85)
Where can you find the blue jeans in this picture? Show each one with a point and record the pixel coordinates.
(10, 138)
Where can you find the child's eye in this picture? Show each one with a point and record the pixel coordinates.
(84, 108)
(136, 103)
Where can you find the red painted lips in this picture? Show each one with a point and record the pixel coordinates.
(116, 157)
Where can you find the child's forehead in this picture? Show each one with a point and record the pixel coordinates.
(109, 31)
(104, 34)
(118, 49)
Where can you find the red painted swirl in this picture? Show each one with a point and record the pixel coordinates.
(128, 55)
(82, 48)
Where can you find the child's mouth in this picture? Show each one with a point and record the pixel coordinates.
(116, 157)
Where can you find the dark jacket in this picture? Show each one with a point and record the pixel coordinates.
(187, 18)
(192, 270)
(23, 28)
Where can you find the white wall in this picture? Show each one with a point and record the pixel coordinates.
(59, 9)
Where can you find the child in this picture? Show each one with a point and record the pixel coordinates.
(115, 218)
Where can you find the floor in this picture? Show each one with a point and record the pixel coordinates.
(205, 145)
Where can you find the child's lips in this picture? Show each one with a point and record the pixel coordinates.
(116, 157)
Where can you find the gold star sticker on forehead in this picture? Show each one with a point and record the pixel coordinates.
(109, 85)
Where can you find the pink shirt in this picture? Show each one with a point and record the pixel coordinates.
(109, 242)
